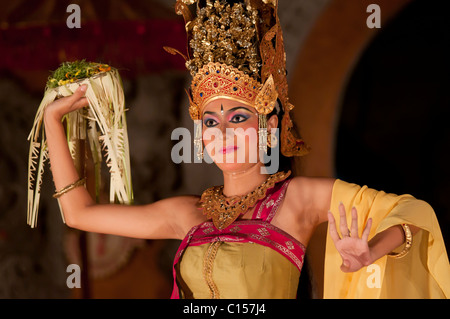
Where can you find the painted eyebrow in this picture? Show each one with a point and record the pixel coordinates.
(230, 110)
(237, 108)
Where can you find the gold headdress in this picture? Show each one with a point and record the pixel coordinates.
(236, 51)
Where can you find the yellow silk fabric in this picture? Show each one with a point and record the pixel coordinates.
(423, 273)
(240, 271)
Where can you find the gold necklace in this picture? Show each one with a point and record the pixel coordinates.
(225, 210)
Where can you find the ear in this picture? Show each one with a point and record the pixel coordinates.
(272, 122)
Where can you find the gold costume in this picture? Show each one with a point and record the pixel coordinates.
(250, 258)
(241, 271)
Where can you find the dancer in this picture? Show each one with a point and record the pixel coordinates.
(247, 238)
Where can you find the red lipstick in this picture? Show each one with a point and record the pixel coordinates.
(228, 149)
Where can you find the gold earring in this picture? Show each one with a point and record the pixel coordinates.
(198, 139)
(272, 140)
(262, 132)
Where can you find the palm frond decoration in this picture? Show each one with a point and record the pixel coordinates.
(103, 125)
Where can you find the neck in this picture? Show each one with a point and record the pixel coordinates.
(241, 183)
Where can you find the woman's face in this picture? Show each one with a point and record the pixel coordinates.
(230, 134)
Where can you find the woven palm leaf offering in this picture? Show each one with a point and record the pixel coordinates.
(102, 124)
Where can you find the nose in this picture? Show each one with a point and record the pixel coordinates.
(228, 132)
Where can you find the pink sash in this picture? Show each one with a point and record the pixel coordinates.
(256, 230)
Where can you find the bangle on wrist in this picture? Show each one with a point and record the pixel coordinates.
(408, 243)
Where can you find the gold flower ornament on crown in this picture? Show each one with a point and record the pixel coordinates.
(218, 80)
(236, 51)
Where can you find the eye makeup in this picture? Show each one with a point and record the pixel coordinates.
(210, 121)
(234, 115)
(238, 118)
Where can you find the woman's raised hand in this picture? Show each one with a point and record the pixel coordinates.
(58, 108)
(354, 251)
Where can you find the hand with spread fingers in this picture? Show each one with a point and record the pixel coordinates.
(355, 251)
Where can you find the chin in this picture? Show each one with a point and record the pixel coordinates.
(235, 162)
(236, 167)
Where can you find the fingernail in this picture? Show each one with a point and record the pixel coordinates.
(83, 88)
(341, 203)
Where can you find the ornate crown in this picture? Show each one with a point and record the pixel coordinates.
(218, 80)
(236, 51)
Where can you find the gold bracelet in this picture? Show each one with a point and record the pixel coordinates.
(408, 243)
(69, 187)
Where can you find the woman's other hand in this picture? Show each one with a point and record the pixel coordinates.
(355, 251)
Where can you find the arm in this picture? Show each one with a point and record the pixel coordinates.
(388, 240)
(170, 218)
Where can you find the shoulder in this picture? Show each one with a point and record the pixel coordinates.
(311, 188)
(182, 211)
(306, 203)
(187, 207)
(311, 196)
(183, 204)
